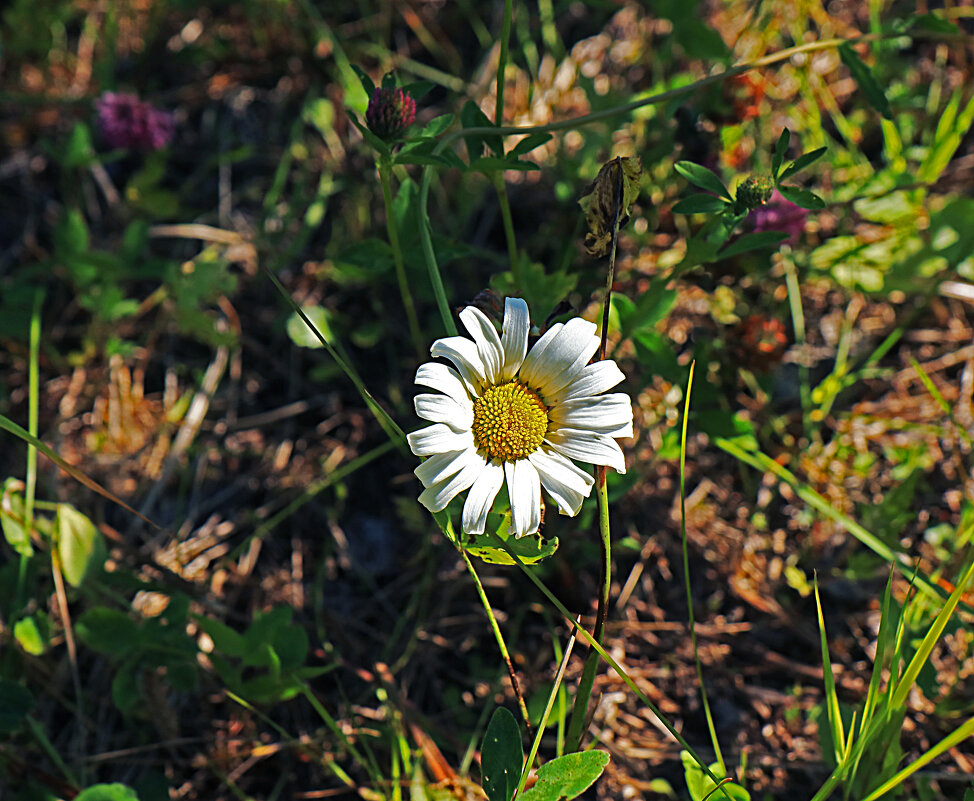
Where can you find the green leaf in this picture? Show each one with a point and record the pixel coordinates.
(646, 311)
(700, 785)
(109, 631)
(33, 633)
(491, 164)
(933, 24)
(79, 151)
(365, 80)
(758, 240)
(437, 125)
(530, 549)
(802, 162)
(472, 117)
(542, 291)
(15, 702)
(502, 756)
(863, 76)
(567, 776)
(780, 151)
(699, 203)
(225, 639)
(529, 143)
(422, 159)
(107, 792)
(698, 175)
(79, 544)
(418, 89)
(302, 335)
(71, 236)
(802, 197)
(12, 513)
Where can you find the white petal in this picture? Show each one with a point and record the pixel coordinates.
(606, 414)
(524, 491)
(440, 467)
(464, 354)
(594, 379)
(537, 352)
(441, 409)
(438, 438)
(587, 446)
(488, 343)
(564, 480)
(517, 324)
(438, 496)
(480, 498)
(565, 357)
(443, 379)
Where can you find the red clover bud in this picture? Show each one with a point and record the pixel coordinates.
(390, 113)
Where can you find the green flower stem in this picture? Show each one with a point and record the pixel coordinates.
(497, 636)
(576, 728)
(385, 171)
(501, 188)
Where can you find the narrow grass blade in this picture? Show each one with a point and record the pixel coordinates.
(831, 699)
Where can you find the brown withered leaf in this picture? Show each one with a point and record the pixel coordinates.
(599, 201)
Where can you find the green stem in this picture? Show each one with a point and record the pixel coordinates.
(385, 170)
(426, 239)
(686, 580)
(502, 63)
(501, 188)
(498, 636)
(580, 710)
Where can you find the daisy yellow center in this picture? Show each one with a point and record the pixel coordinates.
(509, 421)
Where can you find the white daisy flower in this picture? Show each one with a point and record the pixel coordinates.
(506, 414)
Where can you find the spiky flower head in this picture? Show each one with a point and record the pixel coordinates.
(754, 191)
(125, 121)
(390, 112)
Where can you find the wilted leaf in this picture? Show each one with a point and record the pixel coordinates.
(599, 201)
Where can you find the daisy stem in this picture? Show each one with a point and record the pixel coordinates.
(385, 171)
(499, 637)
(508, 220)
(580, 711)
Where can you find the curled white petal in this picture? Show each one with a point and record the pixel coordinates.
(514, 339)
(438, 438)
(438, 496)
(563, 480)
(438, 468)
(594, 379)
(488, 343)
(443, 379)
(464, 354)
(480, 498)
(587, 446)
(570, 349)
(443, 409)
(606, 414)
(524, 491)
